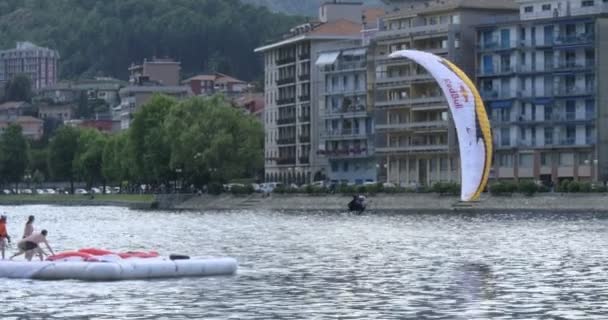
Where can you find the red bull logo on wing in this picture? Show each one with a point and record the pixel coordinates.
(458, 96)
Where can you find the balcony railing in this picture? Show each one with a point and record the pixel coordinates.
(405, 148)
(282, 121)
(287, 80)
(345, 66)
(348, 109)
(344, 133)
(304, 98)
(413, 125)
(286, 101)
(304, 160)
(284, 161)
(495, 94)
(304, 139)
(285, 60)
(304, 56)
(409, 101)
(286, 141)
(574, 39)
(348, 153)
(415, 31)
(573, 91)
(567, 141)
(497, 44)
(304, 77)
(304, 118)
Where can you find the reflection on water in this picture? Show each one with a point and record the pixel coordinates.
(324, 266)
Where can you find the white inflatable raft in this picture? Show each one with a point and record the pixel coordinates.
(126, 269)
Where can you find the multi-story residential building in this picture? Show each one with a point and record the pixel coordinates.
(32, 128)
(39, 63)
(163, 71)
(208, 84)
(292, 92)
(133, 97)
(415, 138)
(544, 77)
(347, 136)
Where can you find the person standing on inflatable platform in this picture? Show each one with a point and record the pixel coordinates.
(3, 235)
(31, 246)
(29, 227)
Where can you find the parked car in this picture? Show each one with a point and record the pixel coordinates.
(6, 191)
(116, 190)
(40, 191)
(50, 191)
(95, 190)
(27, 191)
(81, 191)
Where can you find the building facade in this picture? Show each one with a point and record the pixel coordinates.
(292, 93)
(208, 84)
(164, 72)
(38, 63)
(416, 142)
(347, 138)
(542, 81)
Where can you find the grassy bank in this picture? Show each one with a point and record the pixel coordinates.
(67, 199)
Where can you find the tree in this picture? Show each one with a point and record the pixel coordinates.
(116, 158)
(62, 154)
(38, 162)
(14, 150)
(88, 158)
(19, 88)
(213, 142)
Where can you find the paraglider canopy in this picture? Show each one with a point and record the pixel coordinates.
(470, 118)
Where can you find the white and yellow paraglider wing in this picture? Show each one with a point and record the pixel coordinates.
(470, 118)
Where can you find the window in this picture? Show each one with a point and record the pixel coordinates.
(456, 19)
(526, 160)
(443, 164)
(505, 160)
(587, 3)
(548, 135)
(566, 159)
(589, 109)
(345, 166)
(334, 166)
(528, 9)
(584, 158)
(546, 159)
(505, 137)
(546, 7)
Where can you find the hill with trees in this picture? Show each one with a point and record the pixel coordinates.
(103, 37)
(299, 7)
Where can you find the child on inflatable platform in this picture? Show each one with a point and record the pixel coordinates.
(29, 227)
(31, 245)
(3, 235)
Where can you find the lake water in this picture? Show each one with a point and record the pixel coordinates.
(328, 266)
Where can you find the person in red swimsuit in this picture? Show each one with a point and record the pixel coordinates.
(3, 235)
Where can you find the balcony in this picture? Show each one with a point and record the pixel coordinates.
(304, 160)
(496, 71)
(345, 66)
(498, 45)
(285, 141)
(354, 110)
(304, 118)
(414, 126)
(429, 148)
(572, 65)
(286, 161)
(285, 81)
(346, 153)
(304, 139)
(409, 101)
(567, 141)
(385, 78)
(304, 56)
(285, 60)
(304, 77)
(496, 95)
(572, 39)
(304, 98)
(286, 101)
(343, 134)
(573, 91)
(283, 121)
(429, 30)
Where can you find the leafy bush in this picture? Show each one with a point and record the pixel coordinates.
(527, 187)
(503, 188)
(563, 186)
(598, 188)
(574, 186)
(446, 188)
(585, 187)
(215, 188)
(346, 189)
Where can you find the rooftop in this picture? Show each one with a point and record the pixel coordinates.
(219, 77)
(436, 6)
(13, 105)
(338, 29)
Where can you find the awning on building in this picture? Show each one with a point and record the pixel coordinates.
(327, 58)
(354, 52)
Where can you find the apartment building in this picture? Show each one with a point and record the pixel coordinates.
(38, 63)
(347, 139)
(162, 71)
(415, 139)
(291, 116)
(544, 80)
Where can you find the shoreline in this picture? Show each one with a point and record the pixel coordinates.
(408, 203)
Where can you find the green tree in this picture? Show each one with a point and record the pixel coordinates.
(116, 158)
(213, 142)
(14, 151)
(88, 159)
(19, 88)
(151, 152)
(38, 162)
(62, 154)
